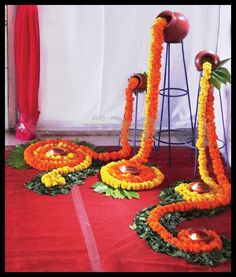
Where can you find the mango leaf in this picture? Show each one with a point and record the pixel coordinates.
(97, 184)
(215, 82)
(100, 189)
(127, 193)
(16, 157)
(109, 192)
(119, 193)
(134, 194)
(219, 77)
(222, 62)
(224, 73)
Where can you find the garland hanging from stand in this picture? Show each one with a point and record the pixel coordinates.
(194, 197)
(132, 174)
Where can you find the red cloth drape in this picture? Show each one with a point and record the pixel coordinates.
(27, 59)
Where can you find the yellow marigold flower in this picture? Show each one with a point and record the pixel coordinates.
(47, 183)
(70, 155)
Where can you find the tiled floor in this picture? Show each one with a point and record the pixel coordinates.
(10, 139)
(102, 140)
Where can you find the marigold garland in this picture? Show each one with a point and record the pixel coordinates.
(220, 193)
(148, 177)
(38, 155)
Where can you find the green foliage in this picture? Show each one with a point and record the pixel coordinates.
(170, 221)
(169, 195)
(74, 178)
(119, 193)
(16, 157)
(220, 75)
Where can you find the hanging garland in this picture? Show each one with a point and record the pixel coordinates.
(64, 157)
(196, 197)
(132, 174)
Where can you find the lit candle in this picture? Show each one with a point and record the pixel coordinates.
(197, 234)
(129, 169)
(199, 187)
(58, 151)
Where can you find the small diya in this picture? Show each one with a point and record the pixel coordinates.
(58, 151)
(199, 187)
(129, 169)
(198, 234)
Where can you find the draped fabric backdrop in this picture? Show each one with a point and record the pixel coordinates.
(88, 53)
(27, 60)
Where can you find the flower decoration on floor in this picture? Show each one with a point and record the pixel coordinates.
(192, 199)
(133, 174)
(64, 158)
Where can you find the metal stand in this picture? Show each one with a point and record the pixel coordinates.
(167, 87)
(224, 144)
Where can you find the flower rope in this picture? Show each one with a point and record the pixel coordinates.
(148, 177)
(219, 194)
(72, 157)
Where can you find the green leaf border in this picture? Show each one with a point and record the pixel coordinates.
(170, 221)
(16, 156)
(75, 178)
(118, 193)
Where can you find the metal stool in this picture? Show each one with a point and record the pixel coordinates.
(167, 87)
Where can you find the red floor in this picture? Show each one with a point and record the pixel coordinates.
(85, 231)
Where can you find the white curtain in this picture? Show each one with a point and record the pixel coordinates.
(88, 53)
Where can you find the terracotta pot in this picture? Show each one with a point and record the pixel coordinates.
(177, 27)
(206, 56)
(142, 78)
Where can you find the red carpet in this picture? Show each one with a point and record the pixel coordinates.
(42, 233)
(85, 231)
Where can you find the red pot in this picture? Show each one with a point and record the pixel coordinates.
(177, 27)
(142, 78)
(206, 56)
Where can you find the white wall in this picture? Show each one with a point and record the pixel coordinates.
(224, 51)
(89, 51)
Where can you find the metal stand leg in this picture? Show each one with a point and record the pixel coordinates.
(163, 98)
(168, 101)
(187, 86)
(223, 125)
(135, 121)
(182, 92)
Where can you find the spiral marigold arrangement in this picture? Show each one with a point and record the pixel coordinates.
(65, 157)
(144, 177)
(211, 194)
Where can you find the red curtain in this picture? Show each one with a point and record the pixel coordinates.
(27, 59)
